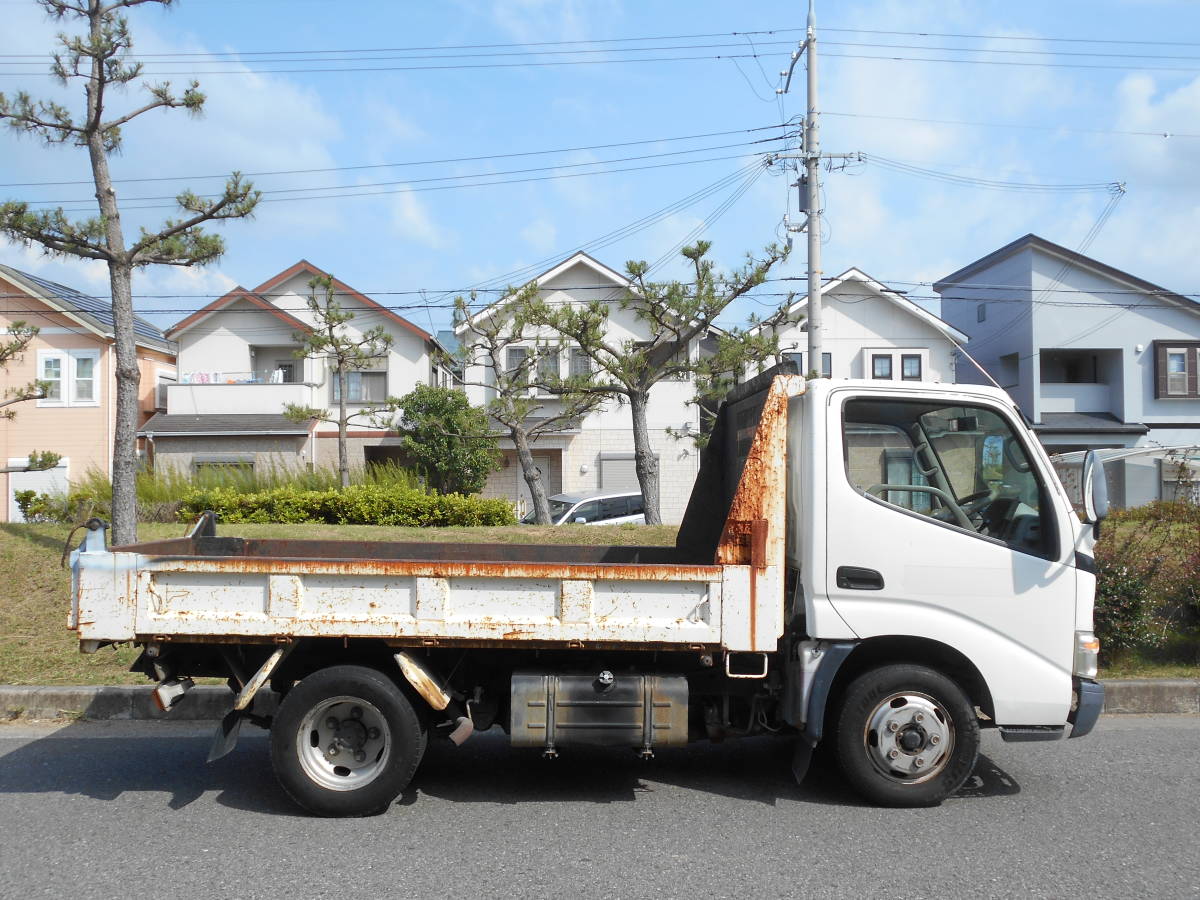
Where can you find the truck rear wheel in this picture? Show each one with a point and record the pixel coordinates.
(906, 736)
(346, 741)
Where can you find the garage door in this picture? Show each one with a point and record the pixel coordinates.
(617, 473)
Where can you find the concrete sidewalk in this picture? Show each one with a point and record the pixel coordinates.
(1179, 696)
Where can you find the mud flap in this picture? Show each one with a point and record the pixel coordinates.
(226, 735)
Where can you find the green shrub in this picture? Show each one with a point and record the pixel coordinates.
(361, 504)
(1126, 606)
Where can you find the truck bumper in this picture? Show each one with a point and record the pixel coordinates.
(1087, 709)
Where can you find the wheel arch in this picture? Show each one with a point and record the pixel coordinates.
(891, 649)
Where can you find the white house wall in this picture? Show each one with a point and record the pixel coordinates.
(408, 357)
(856, 319)
(607, 432)
(1006, 330)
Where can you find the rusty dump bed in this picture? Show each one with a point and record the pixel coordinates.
(718, 587)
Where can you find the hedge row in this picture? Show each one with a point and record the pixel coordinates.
(362, 504)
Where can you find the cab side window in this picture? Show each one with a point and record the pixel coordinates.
(962, 466)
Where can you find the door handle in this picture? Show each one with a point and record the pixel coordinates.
(854, 578)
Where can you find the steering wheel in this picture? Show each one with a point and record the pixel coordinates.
(959, 515)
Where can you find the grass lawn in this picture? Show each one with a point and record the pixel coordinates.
(36, 648)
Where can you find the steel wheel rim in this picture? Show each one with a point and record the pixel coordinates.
(343, 743)
(909, 737)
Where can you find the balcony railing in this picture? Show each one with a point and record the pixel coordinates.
(1060, 397)
(258, 376)
(236, 397)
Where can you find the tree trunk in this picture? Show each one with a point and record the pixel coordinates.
(644, 460)
(343, 454)
(125, 463)
(533, 477)
(120, 277)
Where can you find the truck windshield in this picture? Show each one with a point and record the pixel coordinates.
(961, 465)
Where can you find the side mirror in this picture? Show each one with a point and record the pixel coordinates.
(580, 520)
(1095, 489)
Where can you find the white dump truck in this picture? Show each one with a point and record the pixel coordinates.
(886, 566)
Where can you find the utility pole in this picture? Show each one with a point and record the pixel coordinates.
(811, 185)
(812, 170)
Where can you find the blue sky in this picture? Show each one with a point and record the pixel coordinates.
(1031, 124)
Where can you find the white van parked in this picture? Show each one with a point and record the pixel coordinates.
(593, 508)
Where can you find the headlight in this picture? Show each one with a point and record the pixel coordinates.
(1087, 654)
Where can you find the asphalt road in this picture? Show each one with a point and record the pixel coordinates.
(108, 809)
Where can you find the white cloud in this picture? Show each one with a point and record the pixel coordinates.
(410, 219)
(548, 20)
(541, 235)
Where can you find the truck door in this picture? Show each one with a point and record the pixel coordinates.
(940, 525)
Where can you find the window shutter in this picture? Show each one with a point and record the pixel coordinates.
(1160, 371)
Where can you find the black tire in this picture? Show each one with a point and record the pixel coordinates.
(317, 762)
(894, 728)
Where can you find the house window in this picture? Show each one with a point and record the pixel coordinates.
(981, 312)
(70, 377)
(881, 365)
(796, 358)
(581, 363)
(1177, 372)
(547, 364)
(362, 385)
(910, 367)
(1177, 369)
(52, 374)
(826, 365)
(514, 365)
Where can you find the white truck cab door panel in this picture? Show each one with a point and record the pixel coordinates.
(940, 524)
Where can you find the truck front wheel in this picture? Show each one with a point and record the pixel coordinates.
(345, 742)
(906, 736)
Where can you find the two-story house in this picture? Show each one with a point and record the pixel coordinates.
(74, 355)
(239, 368)
(1095, 357)
(595, 453)
(870, 330)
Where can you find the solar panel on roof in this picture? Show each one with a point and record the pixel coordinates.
(93, 306)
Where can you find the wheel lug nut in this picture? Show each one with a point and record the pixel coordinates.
(919, 717)
(331, 723)
(893, 753)
(356, 712)
(920, 761)
(359, 756)
(935, 739)
(373, 733)
(333, 750)
(893, 726)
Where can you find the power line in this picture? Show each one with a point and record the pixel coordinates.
(1009, 125)
(447, 187)
(620, 40)
(456, 67)
(1013, 62)
(988, 183)
(1011, 37)
(423, 162)
(357, 187)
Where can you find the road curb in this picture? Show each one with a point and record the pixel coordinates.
(201, 703)
(1177, 696)
(1171, 696)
